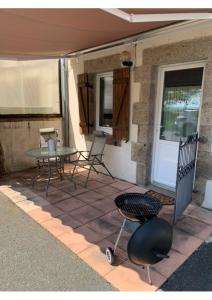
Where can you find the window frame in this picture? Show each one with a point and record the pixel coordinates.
(40, 115)
(108, 130)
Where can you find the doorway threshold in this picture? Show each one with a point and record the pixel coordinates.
(161, 190)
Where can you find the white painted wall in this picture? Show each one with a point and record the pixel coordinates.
(118, 159)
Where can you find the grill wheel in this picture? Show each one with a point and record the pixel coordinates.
(110, 256)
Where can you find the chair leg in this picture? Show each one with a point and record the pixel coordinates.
(107, 170)
(95, 170)
(86, 182)
(73, 171)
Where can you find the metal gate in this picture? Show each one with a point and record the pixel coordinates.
(185, 175)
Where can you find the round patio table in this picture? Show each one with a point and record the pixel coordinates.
(49, 161)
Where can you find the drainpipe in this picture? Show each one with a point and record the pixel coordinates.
(65, 99)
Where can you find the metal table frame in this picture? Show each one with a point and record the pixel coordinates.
(50, 163)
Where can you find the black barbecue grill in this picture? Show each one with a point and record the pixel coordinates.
(137, 207)
(143, 209)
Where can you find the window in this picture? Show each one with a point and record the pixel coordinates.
(112, 91)
(29, 88)
(181, 103)
(104, 102)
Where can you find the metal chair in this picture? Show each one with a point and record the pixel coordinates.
(90, 159)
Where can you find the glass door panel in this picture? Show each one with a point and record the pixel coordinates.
(178, 118)
(180, 112)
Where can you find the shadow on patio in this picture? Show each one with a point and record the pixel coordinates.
(86, 221)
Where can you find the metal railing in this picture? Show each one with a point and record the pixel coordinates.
(185, 175)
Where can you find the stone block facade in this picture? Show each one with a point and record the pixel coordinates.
(180, 52)
(143, 114)
(102, 64)
(143, 111)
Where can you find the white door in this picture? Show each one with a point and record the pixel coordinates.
(177, 116)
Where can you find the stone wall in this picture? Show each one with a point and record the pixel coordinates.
(103, 64)
(143, 116)
(143, 106)
(143, 111)
(16, 137)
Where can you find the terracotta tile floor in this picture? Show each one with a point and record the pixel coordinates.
(86, 221)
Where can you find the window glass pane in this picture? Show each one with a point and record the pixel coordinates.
(179, 112)
(106, 101)
(181, 102)
(29, 87)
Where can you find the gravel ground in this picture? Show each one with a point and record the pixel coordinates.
(33, 260)
(195, 274)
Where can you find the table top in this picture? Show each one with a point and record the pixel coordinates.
(45, 153)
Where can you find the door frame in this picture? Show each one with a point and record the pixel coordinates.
(158, 108)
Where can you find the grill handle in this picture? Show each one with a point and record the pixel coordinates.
(160, 255)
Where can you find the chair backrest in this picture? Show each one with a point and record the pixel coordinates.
(98, 145)
(45, 134)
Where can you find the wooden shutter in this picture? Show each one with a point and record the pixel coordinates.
(86, 104)
(121, 103)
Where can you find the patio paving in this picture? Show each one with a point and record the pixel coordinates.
(87, 221)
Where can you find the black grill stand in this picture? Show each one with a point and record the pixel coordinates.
(135, 207)
(119, 235)
(110, 253)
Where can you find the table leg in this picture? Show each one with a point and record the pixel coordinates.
(38, 173)
(49, 177)
(47, 168)
(69, 178)
(59, 169)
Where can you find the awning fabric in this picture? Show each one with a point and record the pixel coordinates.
(36, 33)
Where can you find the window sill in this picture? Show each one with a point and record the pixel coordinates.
(108, 130)
(110, 140)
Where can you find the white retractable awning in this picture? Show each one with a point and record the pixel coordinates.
(40, 33)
